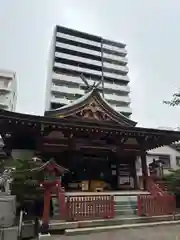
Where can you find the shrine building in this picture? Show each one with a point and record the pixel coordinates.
(97, 145)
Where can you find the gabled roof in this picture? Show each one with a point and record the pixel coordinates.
(93, 107)
(50, 165)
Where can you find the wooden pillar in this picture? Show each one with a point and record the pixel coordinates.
(134, 173)
(144, 169)
(62, 200)
(46, 211)
(117, 176)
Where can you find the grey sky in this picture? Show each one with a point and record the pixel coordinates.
(149, 28)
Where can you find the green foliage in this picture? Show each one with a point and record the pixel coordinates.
(25, 184)
(175, 100)
(2, 165)
(173, 181)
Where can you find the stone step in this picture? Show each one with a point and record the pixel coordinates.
(126, 212)
(55, 207)
(128, 208)
(57, 225)
(89, 230)
(125, 202)
(117, 207)
(125, 198)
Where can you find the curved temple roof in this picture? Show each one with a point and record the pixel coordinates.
(52, 165)
(90, 113)
(92, 106)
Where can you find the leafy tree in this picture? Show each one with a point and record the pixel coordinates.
(175, 101)
(25, 183)
(173, 181)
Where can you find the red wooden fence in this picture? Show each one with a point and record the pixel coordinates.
(149, 205)
(90, 207)
(158, 202)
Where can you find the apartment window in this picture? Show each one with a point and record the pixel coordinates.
(178, 160)
(165, 159)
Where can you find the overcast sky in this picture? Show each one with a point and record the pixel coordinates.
(151, 30)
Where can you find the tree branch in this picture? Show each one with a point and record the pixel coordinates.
(175, 100)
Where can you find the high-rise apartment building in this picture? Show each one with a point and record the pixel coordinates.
(73, 53)
(8, 90)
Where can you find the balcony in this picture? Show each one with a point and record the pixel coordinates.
(116, 76)
(3, 87)
(71, 81)
(65, 89)
(62, 100)
(115, 48)
(78, 39)
(4, 101)
(78, 49)
(78, 59)
(115, 57)
(122, 109)
(115, 67)
(90, 71)
(117, 98)
(79, 69)
(117, 88)
(66, 78)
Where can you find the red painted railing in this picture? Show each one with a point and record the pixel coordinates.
(90, 207)
(158, 202)
(149, 205)
(162, 185)
(155, 188)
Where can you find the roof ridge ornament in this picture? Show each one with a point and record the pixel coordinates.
(89, 87)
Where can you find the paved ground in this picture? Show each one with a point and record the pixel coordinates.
(152, 233)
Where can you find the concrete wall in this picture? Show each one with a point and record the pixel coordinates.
(9, 233)
(7, 210)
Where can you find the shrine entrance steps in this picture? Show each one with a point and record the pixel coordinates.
(55, 206)
(93, 226)
(126, 206)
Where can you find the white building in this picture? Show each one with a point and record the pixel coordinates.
(73, 53)
(167, 154)
(8, 90)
